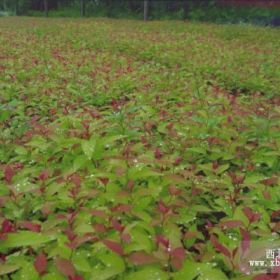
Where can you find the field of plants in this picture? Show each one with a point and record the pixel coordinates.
(137, 151)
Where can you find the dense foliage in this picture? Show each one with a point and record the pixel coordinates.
(136, 151)
(199, 10)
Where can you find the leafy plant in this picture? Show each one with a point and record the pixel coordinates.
(136, 151)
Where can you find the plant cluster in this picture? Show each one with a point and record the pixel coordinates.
(136, 151)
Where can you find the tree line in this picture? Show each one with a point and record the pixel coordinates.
(262, 12)
(135, 6)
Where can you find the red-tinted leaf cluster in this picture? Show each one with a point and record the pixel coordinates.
(219, 247)
(158, 154)
(9, 174)
(114, 246)
(66, 268)
(40, 264)
(252, 216)
(236, 180)
(176, 255)
(30, 226)
(7, 227)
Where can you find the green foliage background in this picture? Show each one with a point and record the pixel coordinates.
(133, 151)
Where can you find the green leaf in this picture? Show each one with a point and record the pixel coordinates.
(80, 261)
(61, 249)
(114, 265)
(28, 272)
(88, 148)
(239, 215)
(139, 173)
(192, 270)
(53, 276)
(222, 168)
(213, 274)
(254, 178)
(4, 115)
(139, 240)
(151, 273)
(173, 233)
(38, 142)
(24, 238)
(79, 162)
(20, 150)
(8, 268)
(113, 138)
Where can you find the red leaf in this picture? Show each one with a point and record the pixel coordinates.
(215, 165)
(209, 224)
(141, 258)
(43, 175)
(213, 140)
(245, 243)
(70, 234)
(115, 105)
(9, 174)
(276, 227)
(275, 215)
(162, 240)
(98, 213)
(100, 228)
(174, 191)
(196, 191)
(120, 171)
(158, 154)
(7, 226)
(114, 246)
(191, 234)
(248, 212)
(104, 180)
(77, 277)
(252, 216)
(177, 161)
(178, 253)
(250, 167)
(122, 208)
(266, 195)
(3, 236)
(78, 241)
(236, 180)
(144, 142)
(162, 207)
(270, 182)
(169, 126)
(75, 179)
(31, 226)
(2, 257)
(231, 224)
(177, 263)
(262, 277)
(40, 263)
(65, 267)
(126, 237)
(130, 185)
(219, 247)
(18, 165)
(117, 225)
